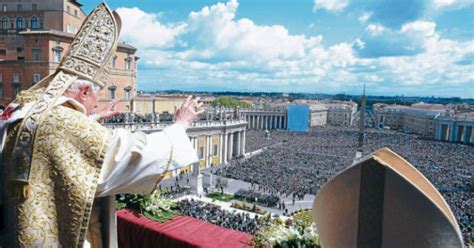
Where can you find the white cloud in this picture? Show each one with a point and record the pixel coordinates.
(394, 14)
(375, 29)
(334, 6)
(360, 44)
(214, 49)
(443, 3)
(436, 66)
(411, 39)
(364, 17)
(220, 36)
(144, 30)
(451, 4)
(426, 28)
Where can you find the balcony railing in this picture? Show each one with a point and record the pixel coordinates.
(143, 126)
(16, 31)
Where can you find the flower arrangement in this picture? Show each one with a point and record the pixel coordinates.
(155, 206)
(277, 234)
(273, 232)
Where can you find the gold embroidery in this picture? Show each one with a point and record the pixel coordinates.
(87, 58)
(57, 153)
(67, 157)
(26, 96)
(23, 149)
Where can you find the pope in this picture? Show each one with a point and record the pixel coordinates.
(60, 169)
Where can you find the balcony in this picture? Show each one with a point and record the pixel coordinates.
(7, 31)
(156, 126)
(12, 31)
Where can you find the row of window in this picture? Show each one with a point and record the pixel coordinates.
(21, 23)
(34, 7)
(15, 89)
(68, 10)
(128, 63)
(36, 53)
(58, 54)
(200, 151)
(16, 84)
(339, 115)
(19, 7)
(37, 78)
(16, 78)
(113, 89)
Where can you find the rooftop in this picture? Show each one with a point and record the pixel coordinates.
(318, 107)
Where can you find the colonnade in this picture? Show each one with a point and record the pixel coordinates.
(455, 131)
(266, 121)
(233, 143)
(230, 144)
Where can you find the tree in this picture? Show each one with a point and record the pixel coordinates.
(227, 101)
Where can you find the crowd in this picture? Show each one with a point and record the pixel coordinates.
(253, 196)
(214, 214)
(256, 139)
(303, 162)
(300, 165)
(132, 117)
(175, 191)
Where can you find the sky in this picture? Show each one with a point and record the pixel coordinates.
(395, 47)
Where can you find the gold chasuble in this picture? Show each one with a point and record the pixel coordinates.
(68, 152)
(52, 156)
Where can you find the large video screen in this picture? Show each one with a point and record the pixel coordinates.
(298, 118)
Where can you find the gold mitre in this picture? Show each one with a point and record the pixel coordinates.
(94, 45)
(87, 58)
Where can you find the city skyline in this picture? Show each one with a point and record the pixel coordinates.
(411, 48)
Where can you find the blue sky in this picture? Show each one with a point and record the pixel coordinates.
(395, 47)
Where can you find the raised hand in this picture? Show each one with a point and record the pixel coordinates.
(189, 111)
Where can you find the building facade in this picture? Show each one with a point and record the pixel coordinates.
(318, 115)
(410, 119)
(35, 34)
(331, 112)
(337, 113)
(341, 113)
